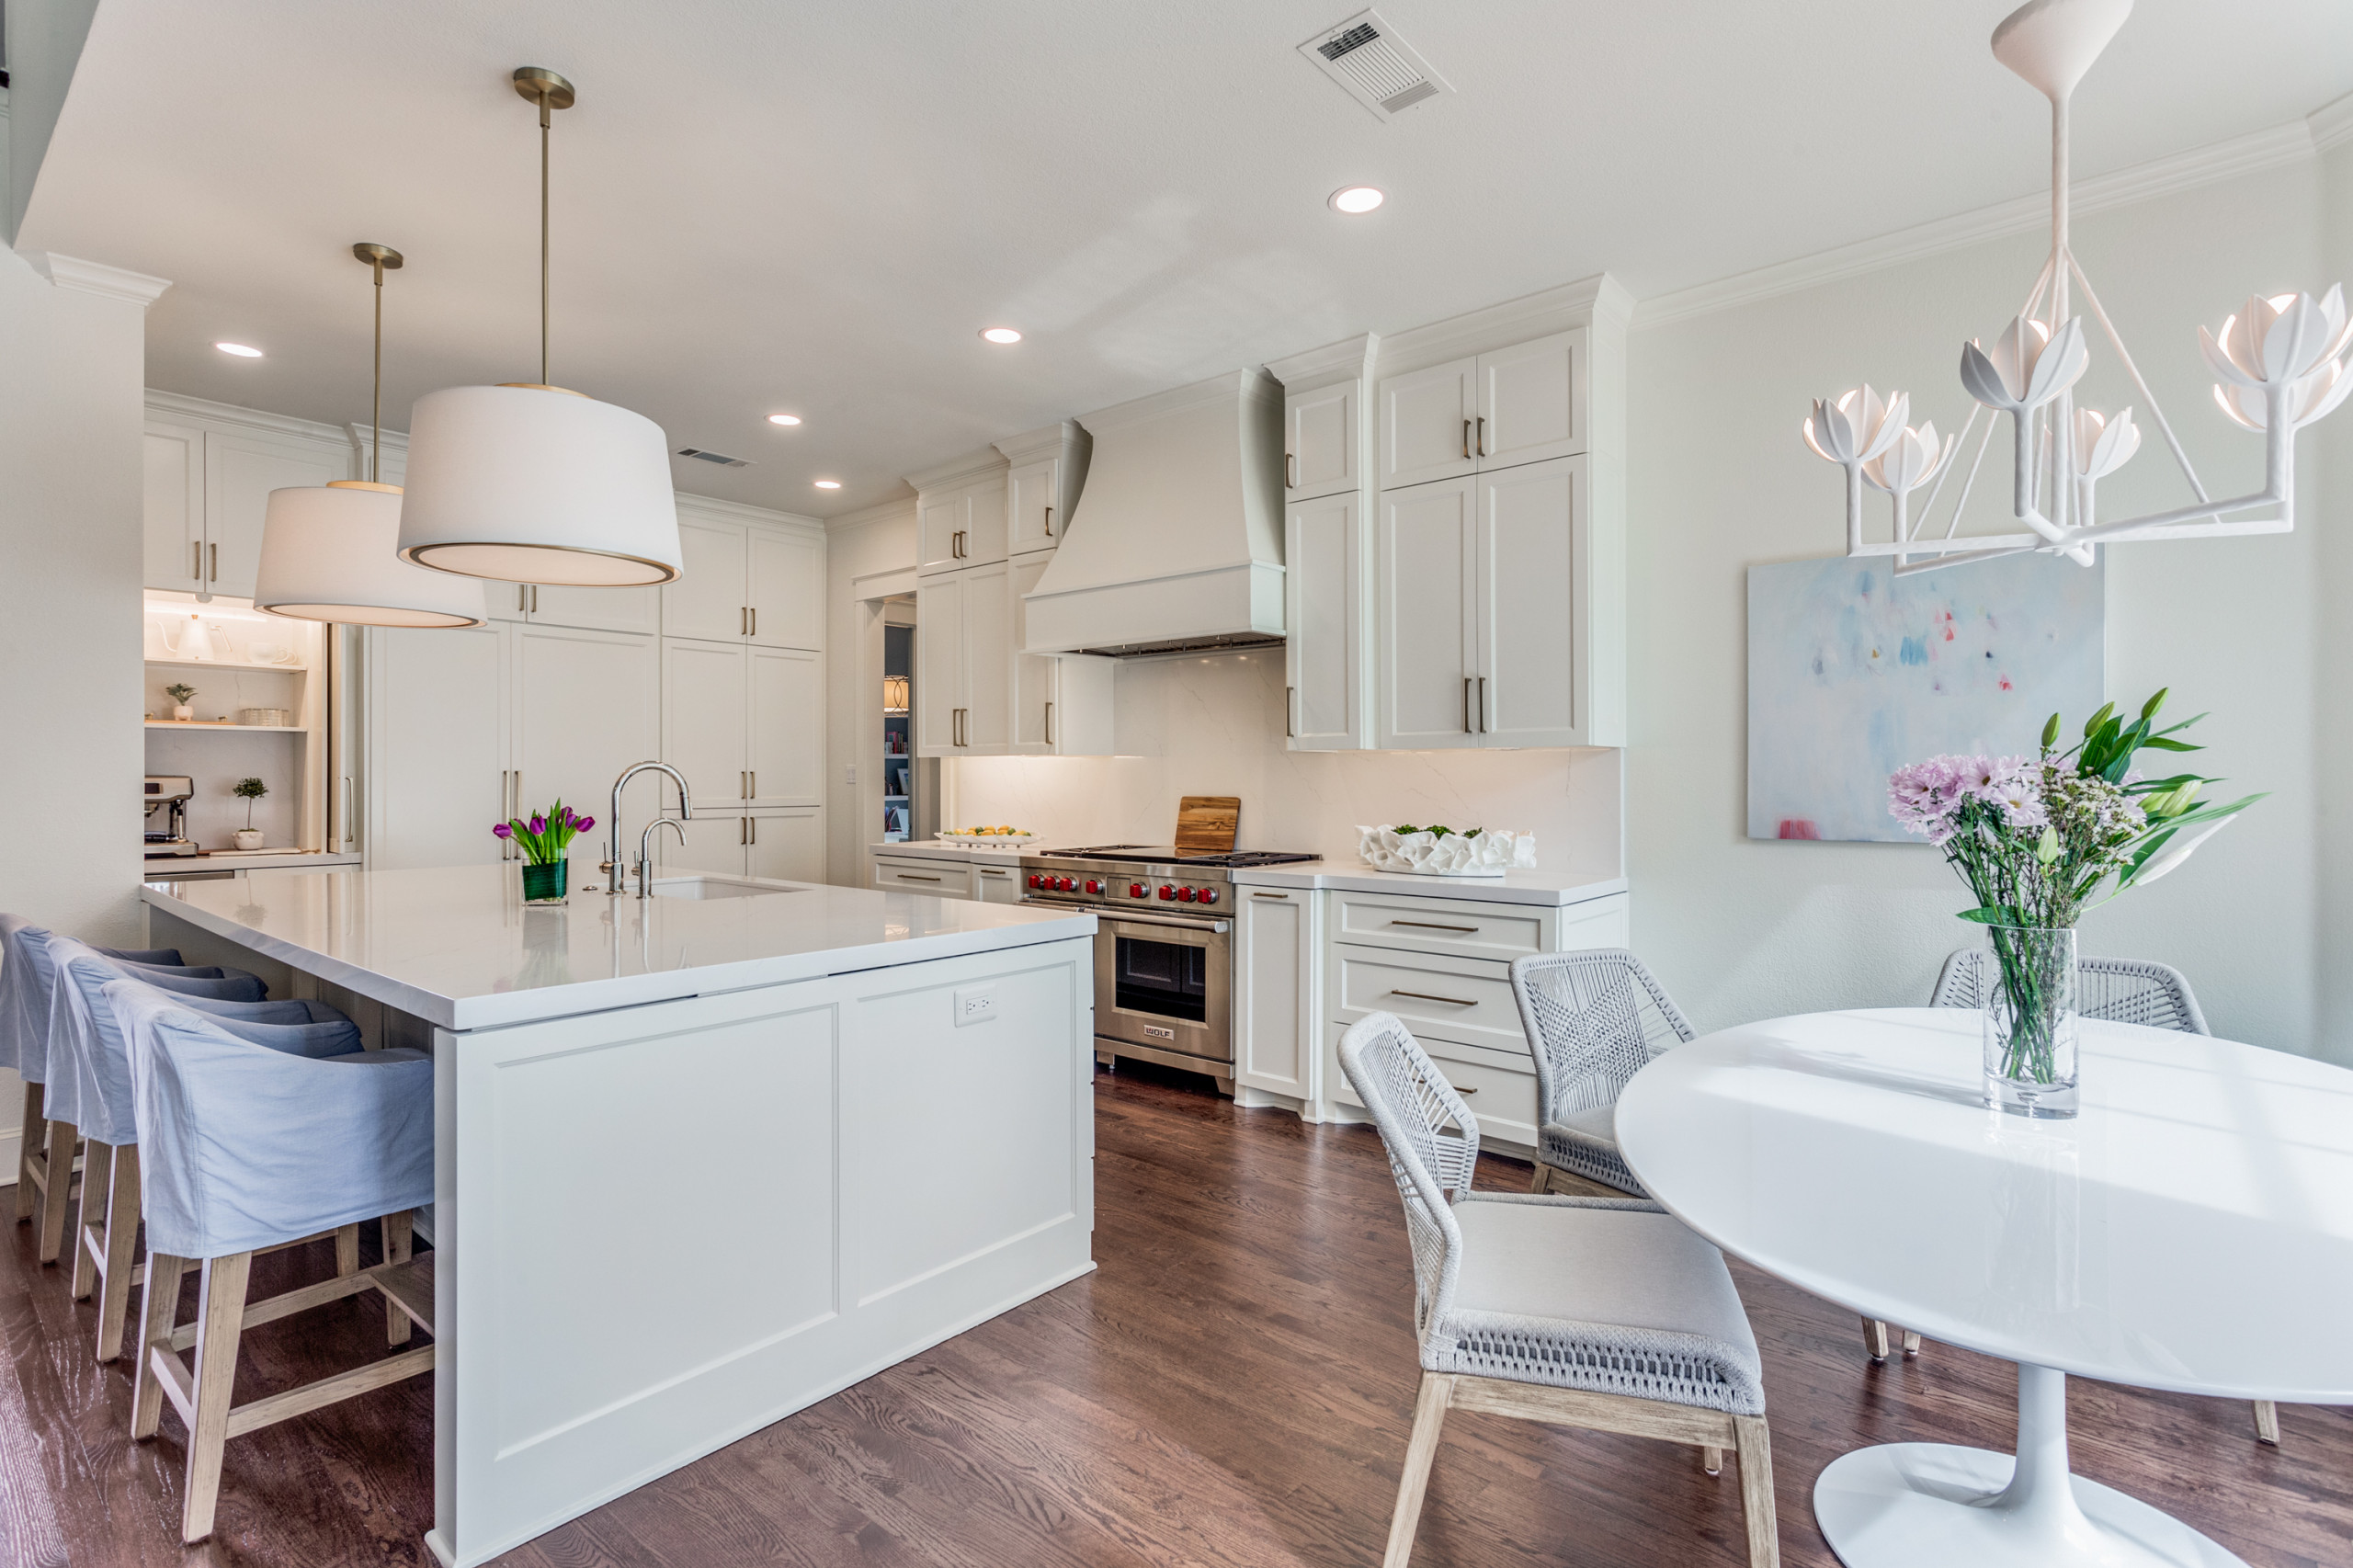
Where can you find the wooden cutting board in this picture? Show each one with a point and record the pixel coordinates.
(1206, 823)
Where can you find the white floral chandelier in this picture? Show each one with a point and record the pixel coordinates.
(2283, 363)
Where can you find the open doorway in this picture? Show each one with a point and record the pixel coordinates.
(910, 784)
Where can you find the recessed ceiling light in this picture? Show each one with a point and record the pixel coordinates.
(1357, 199)
(784, 419)
(1001, 335)
(239, 349)
(829, 485)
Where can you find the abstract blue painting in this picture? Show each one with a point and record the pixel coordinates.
(1854, 671)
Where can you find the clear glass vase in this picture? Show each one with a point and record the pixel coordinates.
(2031, 1057)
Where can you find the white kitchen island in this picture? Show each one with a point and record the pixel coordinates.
(701, 1159)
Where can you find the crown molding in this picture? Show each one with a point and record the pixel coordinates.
(1347, 360)
(2259, 149)
(1048, 441)
(97, 278)
(2331, 124)
(1491, 326)
(1250, 385)
(955, 471)
(178, 406)
(901, 510)
(744, 512)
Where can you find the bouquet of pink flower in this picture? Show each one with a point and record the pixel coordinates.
(543, 837)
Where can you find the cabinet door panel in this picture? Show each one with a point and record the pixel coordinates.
(586, 708)
(1274, 954)
(1319, 442)
(708, 599)
(239, 474)
(1426, 422)
(173, 509)
(939, 663)
(1531, 551)
(939, 518)
(788, 845)
(1531, 397)
(985, 517)
(788, 739)
(1324, 556)
(1425, 618)
(988, 661)
(704, 708)
(1033, 497)
(712, 842)
(788, 590)
(608, 610)
(1034, 675)
(436, 748)
(997, 885)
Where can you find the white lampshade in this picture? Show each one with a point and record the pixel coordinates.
(537, 484)
(332, 554)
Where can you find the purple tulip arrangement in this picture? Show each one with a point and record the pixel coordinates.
(543, 837)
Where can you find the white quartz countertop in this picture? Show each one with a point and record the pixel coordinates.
(236, 860)
(1555, 888)
(963, 854)
(459, 947)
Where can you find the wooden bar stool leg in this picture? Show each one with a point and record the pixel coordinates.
(220, 1314)
(59, 1158)
(97, 1164)
(1711, 1461)
(1910, 1344)
(399, 1238)
(1421, 1448)
(121, 1239)
(159, 1310)
(346, 1252)
(1755, 1445)
(1544, 1178)
(2266, 1422)
(29, 1151)
(1875, 1339)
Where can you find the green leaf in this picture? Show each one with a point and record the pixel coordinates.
(2170, 729)
(2149, 709)
(2158, 742)
(1994, 914)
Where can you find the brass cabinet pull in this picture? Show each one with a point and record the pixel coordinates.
(1050, 723)
(1291, 701)
(1466, 438)
(1458, 1089)
(756, 831)
(215, 574)
(1283, 895)
(754, 789)
(1290, 471)
(522, 600)
(743, 835)
(756, 620)
(1434, 926)
(1468, 727)
(1049, 522)
(196, 560)
(535, 598)
(1427, 996)
(1482, 705)
(1483, 435)
(914, 877)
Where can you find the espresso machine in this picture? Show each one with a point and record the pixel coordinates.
(170, 795)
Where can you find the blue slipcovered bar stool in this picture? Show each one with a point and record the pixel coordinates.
(84, 1032)
(243, 1148)
(27, 975)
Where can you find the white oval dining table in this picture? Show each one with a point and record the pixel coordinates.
(2190, 1229)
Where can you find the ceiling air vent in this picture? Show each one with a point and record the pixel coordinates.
(721, 459)
(1379, 69)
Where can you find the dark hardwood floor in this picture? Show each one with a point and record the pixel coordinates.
(1232, 1386)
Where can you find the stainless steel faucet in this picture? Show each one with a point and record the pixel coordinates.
(645, 853)
(611, 865)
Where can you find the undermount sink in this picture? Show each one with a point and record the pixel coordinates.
(716, 887)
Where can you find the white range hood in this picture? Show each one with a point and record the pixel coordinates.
(1180, 541)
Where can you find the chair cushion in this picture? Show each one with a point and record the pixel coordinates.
(1586, 1294)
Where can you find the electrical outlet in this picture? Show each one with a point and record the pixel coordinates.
(849, 774)
(974, 1007)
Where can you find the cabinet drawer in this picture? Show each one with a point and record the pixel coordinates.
(1502, 1098)
(1438, 996)
(997, 885)
(1503, 931)
(941, 878)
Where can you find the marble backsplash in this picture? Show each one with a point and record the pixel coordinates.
(1213, 725)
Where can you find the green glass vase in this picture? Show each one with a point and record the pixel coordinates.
(545, 884)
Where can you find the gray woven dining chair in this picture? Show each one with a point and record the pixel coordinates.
(2120, 991)
(1603, 1313)
(1594, 1019)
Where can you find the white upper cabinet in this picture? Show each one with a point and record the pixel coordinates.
(1534, 549)
(1531, 402)
(940, 531)
(1062, 704)
(1426, 418)
(610, 609)
(1034, 506)
(1428, 619)
(207, 485)
(437, 770)
(961, 523)
(1321, 441)
(744, 582)
(239, 470)
(785, 757)
(1325, 584)
(988, 661)
(174, 508)
(586, 705)
(940, 664)
(704, 698)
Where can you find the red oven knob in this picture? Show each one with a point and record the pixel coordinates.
(1035, 881)
(1185, 895)
(1208, 895)
(1094, 886)
(1066, 885)
(1135, 889)
(1166, 892)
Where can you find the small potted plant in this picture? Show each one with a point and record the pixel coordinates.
(543, 839)
(181, 694)
(249, 791)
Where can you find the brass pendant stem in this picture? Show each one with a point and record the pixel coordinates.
(378, 258)
(543, 241)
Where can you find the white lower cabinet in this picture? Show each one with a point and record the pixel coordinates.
(997, 885)
(940, 878)
(744, 723)
(1276, 946)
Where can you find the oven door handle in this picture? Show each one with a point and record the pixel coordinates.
(1120, 917)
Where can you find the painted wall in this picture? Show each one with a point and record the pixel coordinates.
(1719, 482)
(70, 414)
(1213, 725)
(2333, 650)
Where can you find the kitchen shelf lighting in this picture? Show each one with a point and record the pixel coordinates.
(2284, 361)
(530, 482)
(332, 553)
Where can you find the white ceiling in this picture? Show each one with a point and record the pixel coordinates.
(813, 207)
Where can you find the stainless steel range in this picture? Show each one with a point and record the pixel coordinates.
(1164, 948)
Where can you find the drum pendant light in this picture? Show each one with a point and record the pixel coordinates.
(333, 552)
(529, 483)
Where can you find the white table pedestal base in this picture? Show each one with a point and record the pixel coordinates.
(1932, 1505)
